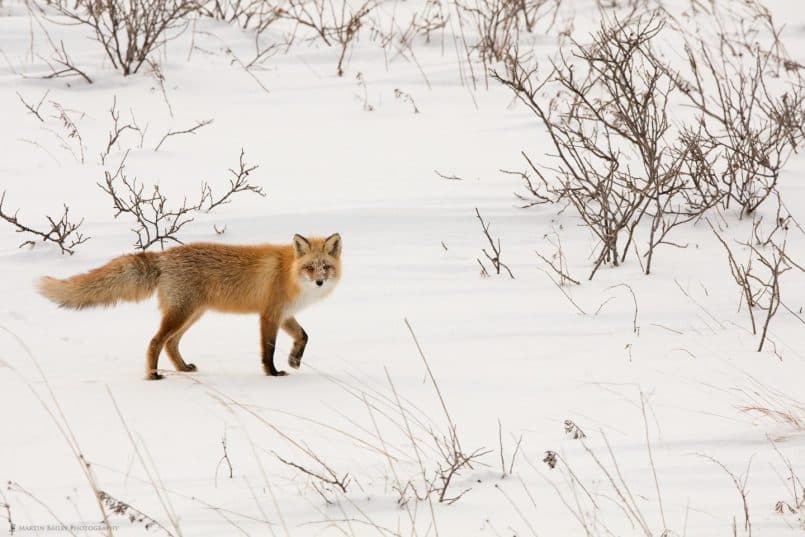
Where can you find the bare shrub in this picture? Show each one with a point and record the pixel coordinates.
(760, 283)
(334, 24)
(749, 131)
(424, 22)
(118, 129)
(62, 232)
(60, 63)
(257, 14)
(497, 24)
(129, 30)
(156, 221)
(617, 159)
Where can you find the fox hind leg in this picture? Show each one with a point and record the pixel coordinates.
(295, 330)
(172, 345)
(172, 322)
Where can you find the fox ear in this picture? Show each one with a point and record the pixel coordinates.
(332, 245)
(301, 245)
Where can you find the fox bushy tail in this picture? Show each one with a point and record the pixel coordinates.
(129, 277)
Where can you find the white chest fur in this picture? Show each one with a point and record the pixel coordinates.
(309, 293)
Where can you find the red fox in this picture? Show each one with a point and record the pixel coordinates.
(275, 281)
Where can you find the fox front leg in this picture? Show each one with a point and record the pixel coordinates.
(268, 333)
(295, 330)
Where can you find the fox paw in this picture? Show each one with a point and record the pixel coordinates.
(295, 361)
(153, 375)
(278, 373)
(188, 368)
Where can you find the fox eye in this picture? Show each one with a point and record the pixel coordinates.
(309, 268)
(327, 267)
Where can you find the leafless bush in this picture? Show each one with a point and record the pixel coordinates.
(610, 107)
(749, 131)
(451, 460)
(60, 63)
(118, 128)
(760, 284)
(239, 182)
(257, 14)
(497, 24)
(156, 222)
(618, 160)
(129, 30)
(494, 257)
(63, 233)
(334, 24)
(424, 22)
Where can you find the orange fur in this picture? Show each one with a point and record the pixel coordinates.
(274, 281)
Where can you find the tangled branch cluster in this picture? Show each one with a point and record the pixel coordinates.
(618, 159)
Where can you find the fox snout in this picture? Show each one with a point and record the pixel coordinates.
(319, 282)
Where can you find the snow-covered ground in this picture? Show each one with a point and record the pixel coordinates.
(663, 376)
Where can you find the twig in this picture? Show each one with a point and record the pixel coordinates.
(449, 177)
(494, 259)
(34, 109)
(224, 459)
(191, 130)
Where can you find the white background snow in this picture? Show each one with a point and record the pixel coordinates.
(514, 351)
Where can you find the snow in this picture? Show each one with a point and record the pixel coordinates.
(510, 351)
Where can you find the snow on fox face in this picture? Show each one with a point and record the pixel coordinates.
(318, 262)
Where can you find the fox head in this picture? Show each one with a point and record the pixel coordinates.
(318, 261)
